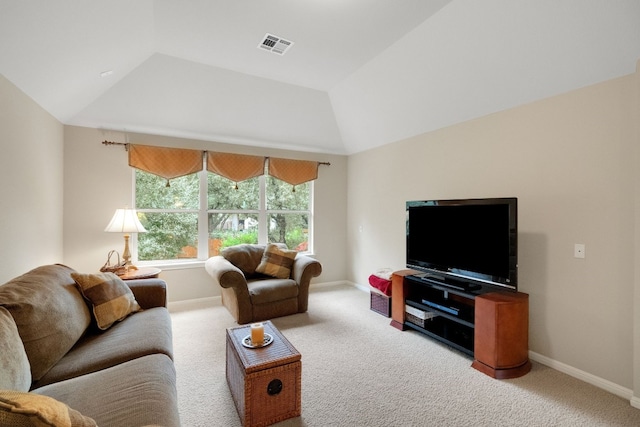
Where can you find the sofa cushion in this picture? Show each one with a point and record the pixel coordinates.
(147, 332)
(29, 409)
(110, 298)
(15, 372)
(276, 262)
(140, 392)
(50, 314)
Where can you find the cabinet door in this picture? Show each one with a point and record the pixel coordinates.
(502, 331)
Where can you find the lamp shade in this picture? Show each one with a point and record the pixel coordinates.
(125, 221)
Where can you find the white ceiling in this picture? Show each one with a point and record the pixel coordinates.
(354, 78)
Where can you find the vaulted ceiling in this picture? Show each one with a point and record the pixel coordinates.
(359, 74)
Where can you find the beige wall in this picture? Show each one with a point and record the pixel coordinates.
(98, 180)
(570, 161)
(31, 188)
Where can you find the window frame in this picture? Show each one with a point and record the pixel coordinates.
(203, 220)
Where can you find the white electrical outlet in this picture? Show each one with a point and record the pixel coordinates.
(579, 250)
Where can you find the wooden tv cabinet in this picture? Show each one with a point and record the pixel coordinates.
(490, 325)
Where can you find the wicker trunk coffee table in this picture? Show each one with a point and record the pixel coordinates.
(265, 382)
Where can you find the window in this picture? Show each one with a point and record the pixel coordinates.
(288, 213)
(170, 215)
(200, 214)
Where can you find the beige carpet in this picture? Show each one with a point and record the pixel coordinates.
(359, 371)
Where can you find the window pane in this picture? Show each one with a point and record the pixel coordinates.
(152, 192)
(171, 214)
(291, 229)
(280, 195)
(222, 194)
(168, 236)
(229, 229)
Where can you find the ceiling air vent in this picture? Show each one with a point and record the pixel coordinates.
(275, 44)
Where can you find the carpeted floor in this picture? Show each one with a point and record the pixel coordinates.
(359, 371)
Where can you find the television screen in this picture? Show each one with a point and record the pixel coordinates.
(471, 239)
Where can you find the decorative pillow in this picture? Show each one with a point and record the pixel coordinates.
(50, 314)
(111, 298)
(30, 409)
(276, 262)
(15, 371)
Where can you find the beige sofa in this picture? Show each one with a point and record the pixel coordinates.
(260, 282)
(86, 350)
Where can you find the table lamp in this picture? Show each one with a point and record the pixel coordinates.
(125, 221)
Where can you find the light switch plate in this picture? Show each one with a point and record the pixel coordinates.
(579, 250)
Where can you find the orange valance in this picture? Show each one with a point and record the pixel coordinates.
(168, 163)
(235, 167)
(293, 172)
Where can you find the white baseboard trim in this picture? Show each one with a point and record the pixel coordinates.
(197, 303)
(193, 304)
(327, 285)
(606, 385)
(364, 288)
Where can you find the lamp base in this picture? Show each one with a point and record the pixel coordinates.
(126, 255)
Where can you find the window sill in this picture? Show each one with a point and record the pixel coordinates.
(169, 265)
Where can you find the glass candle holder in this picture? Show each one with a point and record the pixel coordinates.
(257, 333)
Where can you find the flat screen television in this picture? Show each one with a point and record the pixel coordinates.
(467, 242)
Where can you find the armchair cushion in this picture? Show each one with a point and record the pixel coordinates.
(246, 257)
(271, 290)
(276, 262)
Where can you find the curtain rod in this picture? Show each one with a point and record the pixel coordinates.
(126, 147)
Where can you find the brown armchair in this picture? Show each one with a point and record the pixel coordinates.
(251, 296)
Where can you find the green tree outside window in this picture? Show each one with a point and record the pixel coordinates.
(261, 206)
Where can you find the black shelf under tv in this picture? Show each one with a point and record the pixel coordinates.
(483, 321)
(453, 310)
(448, 333)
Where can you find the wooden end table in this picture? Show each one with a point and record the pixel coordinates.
(141, 273)
(265, 382)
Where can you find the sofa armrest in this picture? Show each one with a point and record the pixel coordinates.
(304, 268)
(224, 273)
(149, 293)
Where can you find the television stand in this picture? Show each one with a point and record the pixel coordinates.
(459, 285)
(490, 325)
